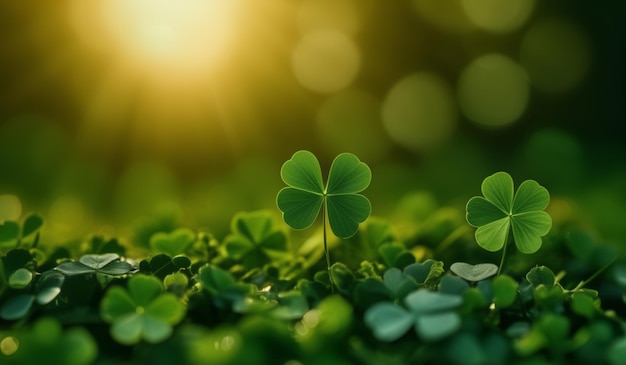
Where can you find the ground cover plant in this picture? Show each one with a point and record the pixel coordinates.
(442, 294)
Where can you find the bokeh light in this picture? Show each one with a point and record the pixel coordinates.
(447, 15)
(493, 91)
(10, 207)
(349, 121)
(341, 15)
(556, 54)
(325, 60)
(419, 112)
(498, 16)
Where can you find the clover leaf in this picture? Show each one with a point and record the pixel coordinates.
(305, 195)
(430, 313)
(173, 243)
(108, 264)
(143, 311)
(255, 239)
(499, 211)
(474, 273)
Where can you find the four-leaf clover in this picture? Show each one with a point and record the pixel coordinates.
(305, 195)
(500, 211)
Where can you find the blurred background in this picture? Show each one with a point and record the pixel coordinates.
(115, 112)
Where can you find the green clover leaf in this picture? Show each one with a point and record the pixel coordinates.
(302, 200)
(143, 311)
(500, 211)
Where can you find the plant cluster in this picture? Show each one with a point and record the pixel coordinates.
(258, 297)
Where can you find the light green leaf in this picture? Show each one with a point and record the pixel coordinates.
(166, 308)
(128, 329)
(154, 330)
(530, 196)
(117, 302)
(144, 289)
(498, 189)
(345, 212)
(20, 278)
(97, 262)
(504, 290)
(388, 321)
(480, 211)
(492, 236)
(528, 228)
(303, 172)
(348, 175)
(474, 272)
(299, 207)
(436, 326)
(172, 243)
(425, 301)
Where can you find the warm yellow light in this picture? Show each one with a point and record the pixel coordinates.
(164, 37)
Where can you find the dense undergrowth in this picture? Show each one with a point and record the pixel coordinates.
(408, 289)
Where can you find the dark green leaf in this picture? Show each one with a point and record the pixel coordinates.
(32, 223)
(49, 287)
(541, 275)
(9, 233)
(20, 278)
(17, 307)
(504, 290)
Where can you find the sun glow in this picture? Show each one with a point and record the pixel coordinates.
(181, 38)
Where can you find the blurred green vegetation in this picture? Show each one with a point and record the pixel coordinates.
(433, 96)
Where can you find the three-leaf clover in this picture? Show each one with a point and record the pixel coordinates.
(144, 311)
(500, 211)
(305, 195)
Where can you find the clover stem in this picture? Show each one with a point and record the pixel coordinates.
(506, 242)
(330, 277)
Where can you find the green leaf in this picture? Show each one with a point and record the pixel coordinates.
(492, 236)
(530, 196)
(481, 211)
(388, 321)
(435, 326)
(17, 307)
(504, 290)
(215, 279)
(301, 201)
(303, 172)
(453, 285)
(343, 278)
(9, 233)
(541, 275)
(500, 212)
(299, 207)
(528, 228)
(20, 278)
(426, 301)
(173, 243)
(98, 261)
(583, 305)
(128, 329)
(49, 286)
(346, 212)
(398, 283)
(474, 272)
(348, 175)
(116, 303)
(154, 330)
(166, 308)
(144, 289)
(498, 189)
(32, 223)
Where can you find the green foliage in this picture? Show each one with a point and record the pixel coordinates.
(302, 200)
(499, 212)
(259, 297)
